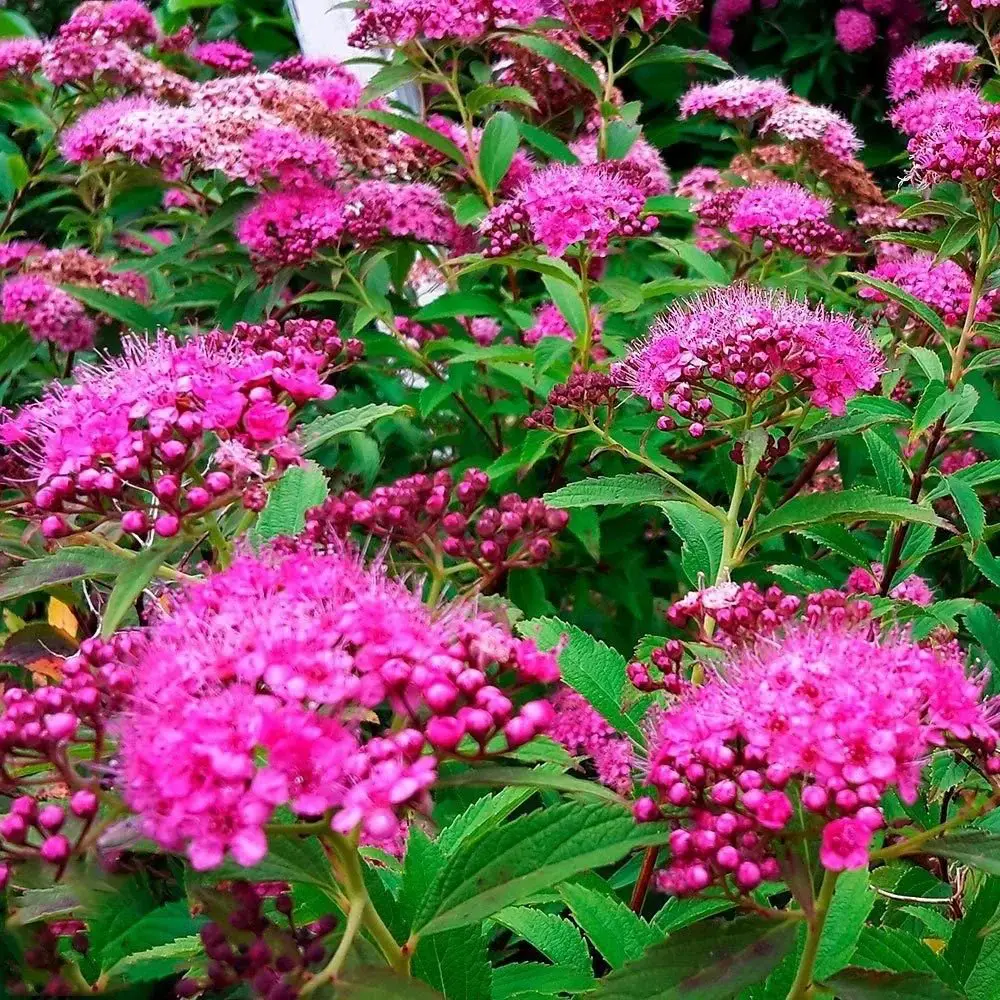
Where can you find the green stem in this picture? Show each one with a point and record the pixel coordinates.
(355, 916)
(222, 548)
(982, 270)
(802, 987)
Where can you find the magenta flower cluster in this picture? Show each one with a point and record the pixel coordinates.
(749, 340)
(253, 691)
(830, 716)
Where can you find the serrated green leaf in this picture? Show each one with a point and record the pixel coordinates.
(615, 931)
(929, 362)
(862, 412)
(159, 928)
(331, 425)
(68, 565)
(969, 506)
(975, 475)
(839, 540)
(701, 540)
(590, 667)
(555, 937)
(381, 983)
(484, 814)
(703, 963)
(967, 940)
(975, 848)
(921, 310)
(530, 778)
(299, 489)
(887, 462)
(850, 505)
(532, 853)
(852, 901)
(127, 311)
(621, 490)
(866, 984)
(157, 962)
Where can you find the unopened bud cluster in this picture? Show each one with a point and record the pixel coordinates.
(583, 390)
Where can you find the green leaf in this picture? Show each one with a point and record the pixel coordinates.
(157, 929)
(484, 814)
(453, 304)
(919, 309)
(840, 540)
(862, 412)
(975, 475)
(959, 235)
(615, 931)
(969, 506)
(381, 983)
(299, 489)
(929, 362)
(887, 462)
(696, 259)
(497, 148)
(553, 148)
(555, 937)
(621, 137)
(386, 80)
(533, 980)
(684, 57)
(966, 943)
(534, 778)
(567, 61)
(132, 581)
(585, 525)
(595, 670)
(159, 961)
(289, 859)
(984, 625)
(533, 852)
(487, 94)
(850, 505)
(931, 207)
(419, 131)
(127, 311)
(678, 913)
(569, 302)
(701, 540)
(975, 848)
(852, 901)
(68, 565)
(866, 984)
(621, 490)
(15, 25)
(710, 962)
(332, 425)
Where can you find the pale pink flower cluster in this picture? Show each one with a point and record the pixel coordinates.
(550, 322)
(20, 56)
(255, 690)
(749, 339)
(49, 314)
(101, 22)
(124, 440)
(740, 99)
(224, 56)
(643, 160)
(799, 121)
(781, 214)
(914, 589)
(584, 732)
(943, 285)
(561, 206)
(922, 67)
(396, 22)
(836, 714)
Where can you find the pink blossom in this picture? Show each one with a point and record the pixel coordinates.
(923, 111)
(560, 206)
(642, 158)
(845, 845)
(922, 67)
(600, 19)
(289, 227)
(224, 56)
(855, 30)
(740, 99)
(799, 121)
(483, 329)
(100, 22)
(550, 322)
(748, 339)
(914, 589)
(20, 56)
(584, 732)
(48, 313)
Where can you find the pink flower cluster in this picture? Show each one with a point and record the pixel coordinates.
(923, 111)
(122, 442)
(101, 22)
(224, 56)
(550, 322)
(855, 29)
(749, 339)
(741, 99)
(20, 56)
(725, 13)
(254, 690)
(561, 206)
(857, 23)
(642, 162)
(584, 732)
(943, 285)
(922, 67)
(600, 19)
(960, 11)
(780, 214)
(913, 590)
(801, 122)
(435, 514)
(827, 715)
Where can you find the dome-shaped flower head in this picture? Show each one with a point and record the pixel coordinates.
(923, 111)
(600, 19)
(20, 56)
(741, 99)
(960, 11)
(943, 285)
(801, 122)
(285, 228)
(963, 146)
(827, 714)
(224, 56)
(921, 67)
(49, 314)
(855, 30)
(254, 690)
(124, 440)
(560, 206)
(100, 22)
(781, 214)
(749, 340)
(642, 160)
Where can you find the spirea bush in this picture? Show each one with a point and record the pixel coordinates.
(527, 539)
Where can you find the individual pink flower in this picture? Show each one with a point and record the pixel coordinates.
(749, 340)
(781, 214)
(845, 845)
(224, 56)
(855, 30)
(922, 67)
(799, 121)
(49, 313)
(741, 99)
(589, 204)
(20, 56)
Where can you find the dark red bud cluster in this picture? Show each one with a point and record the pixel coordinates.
(583, 390)
(44, 957)
(667, 659)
